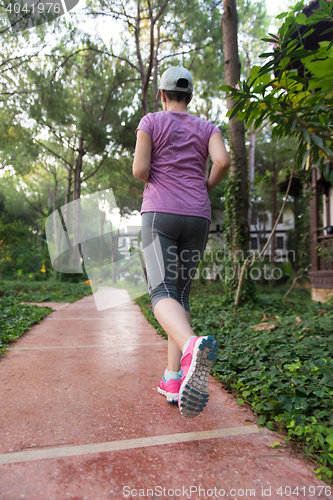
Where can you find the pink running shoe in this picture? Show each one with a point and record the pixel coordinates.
(196, 363)
(169, 389)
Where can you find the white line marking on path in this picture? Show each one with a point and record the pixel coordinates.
(46, 304)
(82, 318)
(126, 346)
(129, 444)
(65, 305)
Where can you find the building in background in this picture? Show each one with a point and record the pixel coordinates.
(321, 227)
(260, 230)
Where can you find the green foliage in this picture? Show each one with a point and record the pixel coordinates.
(15, 319)
(16, 143)
(17, 252)
(285, 375)
(49, 291)
(20, 230)
(298, 98)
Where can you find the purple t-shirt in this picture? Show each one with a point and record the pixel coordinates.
(176, 181)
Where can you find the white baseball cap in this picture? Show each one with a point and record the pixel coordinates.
(176, 78)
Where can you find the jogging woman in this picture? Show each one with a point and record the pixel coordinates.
(170, 155)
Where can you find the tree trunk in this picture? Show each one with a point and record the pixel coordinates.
(67, 195)
(101, 242)
(153, 47)
(144, 75)
(114, 253)
(156, 102)
(238, 198)
(68, 186)
(144, 98)
(252, 149)
(76, 196)
(273, 210)
(49, 196)
(78, 170)
(57, 237)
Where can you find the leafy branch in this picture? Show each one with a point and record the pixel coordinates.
(293, 88)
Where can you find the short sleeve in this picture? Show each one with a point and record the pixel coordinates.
(213, 130)
(146, 124)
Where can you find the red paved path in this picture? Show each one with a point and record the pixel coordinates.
(81, 418)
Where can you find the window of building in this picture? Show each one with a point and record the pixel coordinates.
(254, 244)
(280, 242)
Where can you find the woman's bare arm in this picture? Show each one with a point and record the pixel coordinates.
(220, 159)
(142, 156)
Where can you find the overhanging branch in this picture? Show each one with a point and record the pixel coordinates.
(54, 153)
(95, 50)
(96, 169)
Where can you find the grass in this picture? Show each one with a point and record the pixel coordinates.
(284, 374)
(44, 291)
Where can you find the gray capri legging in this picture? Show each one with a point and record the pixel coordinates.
(173, 246)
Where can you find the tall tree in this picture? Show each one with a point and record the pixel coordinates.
(142, 22)
(80, 107)
(159, 31)
(17, 53)
(253, 24)
(237, 227)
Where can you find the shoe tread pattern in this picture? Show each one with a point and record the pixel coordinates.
(195, 395)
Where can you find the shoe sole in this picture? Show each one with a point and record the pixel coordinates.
(171, 397)
(193, 393)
